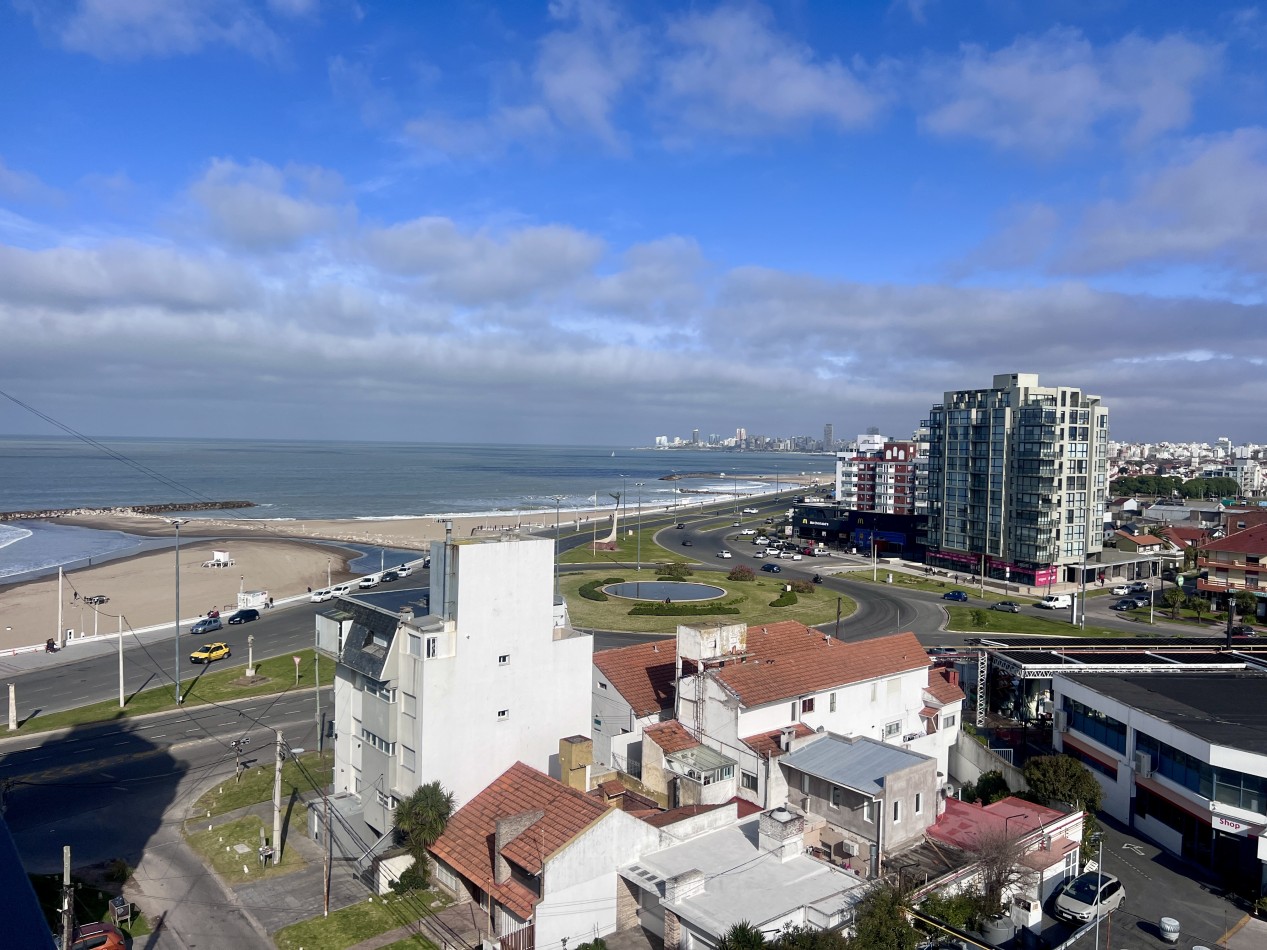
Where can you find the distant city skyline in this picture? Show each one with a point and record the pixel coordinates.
(584, 221)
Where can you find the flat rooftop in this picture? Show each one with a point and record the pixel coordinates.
(1227, 709)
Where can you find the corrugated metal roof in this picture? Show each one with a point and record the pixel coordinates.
(858, 763)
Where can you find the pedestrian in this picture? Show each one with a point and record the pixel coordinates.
(270, 603)
(310, 589)
(76, 595)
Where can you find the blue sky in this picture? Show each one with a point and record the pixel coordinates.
(587, 221)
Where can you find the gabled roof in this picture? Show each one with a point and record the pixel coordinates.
(963, 823)
(767, 743)
(643, 674)
(671, 736)
(1142, 540)
(1250, 541)
(788, 659)
(941, 687)
(469, 839)
(1181, 537)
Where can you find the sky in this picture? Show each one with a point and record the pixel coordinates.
(597, 222)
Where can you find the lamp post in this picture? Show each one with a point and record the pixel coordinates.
(557, 499)
(624, 496)
(327, 572)
(176, 523)
(638, 485)
(1098, 838)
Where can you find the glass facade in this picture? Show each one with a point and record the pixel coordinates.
(1217, 784)
(1096, 725)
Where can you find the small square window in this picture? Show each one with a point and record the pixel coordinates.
(807, 705)
(837, 796)
(503, 715)
(503, 660)
(891, 729)
(748, 780)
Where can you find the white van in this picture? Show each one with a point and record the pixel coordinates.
(338, 590)
(1055, 602)
(368, 581)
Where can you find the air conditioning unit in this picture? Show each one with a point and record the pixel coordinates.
(1060, 720)
(1045, 707)
(1143, 765)
(850, 848)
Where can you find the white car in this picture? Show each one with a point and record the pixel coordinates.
(750, 511)
(1120, 590)
(365, 583)
(339, 590)
(760, 540)
(723, 554)
(760, 553)
(319, 596)
(786, 555)
(1089, 895)
(798, 557)
(404, 570)
(748, 531)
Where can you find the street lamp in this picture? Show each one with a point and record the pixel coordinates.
(638, 485)
(557, 499)
(176, 523)
(624, 496)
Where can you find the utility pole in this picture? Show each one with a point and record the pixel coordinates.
(120, 661)
(58, 639)
(176, 523)
(325, 912)
(316, 678)
(277, 802)
(838, 618)
(68, 899)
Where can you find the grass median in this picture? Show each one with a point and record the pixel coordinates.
(969, 619)
(204, 685)
(351, 925)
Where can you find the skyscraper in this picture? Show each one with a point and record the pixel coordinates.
(1017, 476)
(829, 438)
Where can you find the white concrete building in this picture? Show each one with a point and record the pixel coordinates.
(458, 682)
(1182, 758)
(757, 691)
(632, 688)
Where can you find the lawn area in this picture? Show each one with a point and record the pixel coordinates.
(627, 549)
(351, 925)
(217, 847)
(202, 685)
(257, 781)
(934, 584)
(753, 603)
(91, 903)
(969, 619)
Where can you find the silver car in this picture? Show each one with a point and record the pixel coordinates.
(1079, 901)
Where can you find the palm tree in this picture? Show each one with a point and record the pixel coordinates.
(421, 818)
(742, 936)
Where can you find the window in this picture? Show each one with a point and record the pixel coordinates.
(1096, 725)
(897, 812)
(602, 685)
(807, 705)
(409, 704)
(408, 759)
(748, 780)
(837, 796)
(415, 645)
(892, 729)
(831, 703)
(382, 745)
(598, 722)
(433, 647)
(948, 721)
(504, 660)
(868, 810)
(503, 715)
(919, 803)
(380, 689)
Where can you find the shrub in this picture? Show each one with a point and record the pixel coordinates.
(803, 587)
(681, 610)
(675, 571)
(413, 878)
(590, 590)
(979, 618)
(118, 871)
(741, 572)
(785, 599)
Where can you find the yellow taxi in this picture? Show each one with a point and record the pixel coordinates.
(210, 652)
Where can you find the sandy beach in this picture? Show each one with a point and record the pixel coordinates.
(282, 557)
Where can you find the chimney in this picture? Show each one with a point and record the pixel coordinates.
(506, 831)
(786, 734)
(406, 614)
(576, 755)
(781, 833)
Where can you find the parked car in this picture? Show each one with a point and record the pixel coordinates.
(687, 543)
(954, 595)
(797, 557)
(320, 596)
(365, 583)
(245, 616)
(96, 600)
(1121, 590)
(1090, 895)
(1006, 606)
(1139, 587)
(1169, 575)
(723, 554)
(1143, 600)
(772, 568)
(1125, 604)
(389, 576)
(761, 540)
(1243, 630)
(206, 625)
(760, 553)
(210, 652)
(97, 935)
(785, 554)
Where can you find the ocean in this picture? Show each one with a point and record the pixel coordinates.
(292, 480)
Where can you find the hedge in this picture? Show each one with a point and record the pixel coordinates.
(590, 590)
(681, 610)
(786, 599)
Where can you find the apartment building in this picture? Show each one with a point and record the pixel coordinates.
(1234, 564)
(883, 481)
(1017, 480)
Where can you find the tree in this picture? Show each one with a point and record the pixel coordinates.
(741, 572)
(881, 922)
(1055, 779)
(1246, 603)
(1174, 599)
(991, 787)
(999, 858)
(805, 937)
(1198, 605)
(420, 820)
(742, 936)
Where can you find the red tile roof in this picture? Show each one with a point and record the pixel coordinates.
(963, 823)
(942, 688)
(788, 659)
(767, 743)
(643, 674)
(1250, 541)
(468, 840)
(1181, 537)
(1143, 540)
(671, 736)
(674, 815)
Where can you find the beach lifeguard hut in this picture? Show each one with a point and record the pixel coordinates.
(219, 559)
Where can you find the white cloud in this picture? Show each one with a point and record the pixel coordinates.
(1051, 92)
(134, 29)
(482, 136)
(249, 205)
(480, 267)
(23, 186)
(1208, 206)
(730, 71)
